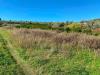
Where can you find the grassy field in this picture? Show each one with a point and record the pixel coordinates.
(8, 66)
(45, 52)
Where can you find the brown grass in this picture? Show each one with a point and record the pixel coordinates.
(90, 41)
(28, 38)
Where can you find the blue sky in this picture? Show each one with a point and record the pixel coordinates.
(49, 10)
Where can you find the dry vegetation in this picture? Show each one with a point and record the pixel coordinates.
(56, 53)
(27, 38)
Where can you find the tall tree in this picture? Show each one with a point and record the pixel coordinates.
(0, 19)
(0, 22)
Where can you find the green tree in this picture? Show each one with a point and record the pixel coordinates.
(61, 24)
(50, 24)
(0, 22)
(0, 19)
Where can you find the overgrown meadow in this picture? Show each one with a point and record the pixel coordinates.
(50, 48)
(50, 52)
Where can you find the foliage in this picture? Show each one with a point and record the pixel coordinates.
(75, 27)
(54, 53)
(87, 30)
(33, 25)
(8, 65)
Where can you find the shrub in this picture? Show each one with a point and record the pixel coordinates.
(75, 27)
(87, 30)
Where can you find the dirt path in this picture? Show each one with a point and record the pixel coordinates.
(24, 66)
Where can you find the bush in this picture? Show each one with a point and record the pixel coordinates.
(67, 29)
(1, 24)
(87, 30)
(75, 27)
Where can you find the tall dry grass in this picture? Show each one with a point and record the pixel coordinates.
(28, 38)
(42, 47)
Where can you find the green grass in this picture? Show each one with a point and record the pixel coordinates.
(83, 62)
(73, 60)
(8, 65)
(34, 25)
